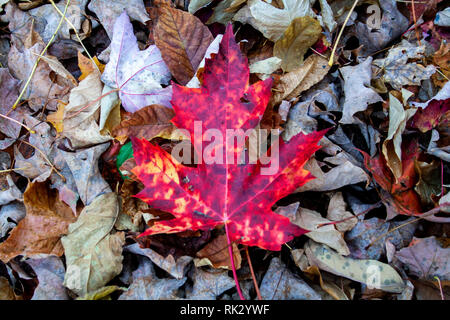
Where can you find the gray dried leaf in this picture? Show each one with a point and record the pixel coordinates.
(398, 72)
(281, 284)
(393, 24)
(426, 258)
(367, 231)
(358, 94)
(146, 286)
(14, 211)
(50, 273)
(176, 268)
(84, 167)
(208, 285)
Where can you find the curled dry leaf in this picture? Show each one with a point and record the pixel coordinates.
(337, 212)
(47, 219)
(147, 123)
(183, 40)
(10, 215)
(147, 286)
(215, 254)
(272, 21)
(392, 145)
(327, 234)
(291, 84)
(81, 114)
(176, 268)
(93, 252)
(301, 34)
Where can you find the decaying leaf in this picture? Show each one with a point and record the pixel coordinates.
(47, 219)
(176, 268)
(301, 34)
(93, 252)
(279, 283)
(271, 21)
(50, 272)
(370, 272)
(426, 258)
(183, 40)
(358, 94)
(147, 286)
(209, 284)
(398, 72)
(215, 254)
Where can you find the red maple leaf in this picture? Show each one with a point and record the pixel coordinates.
(237, 196)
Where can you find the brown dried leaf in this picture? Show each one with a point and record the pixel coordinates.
(300, 79)
(148, 123)
(215, 254)
(47, 219)
(301, 34)
(183, 40)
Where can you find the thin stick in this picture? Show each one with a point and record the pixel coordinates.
(376, 205)
(92, 102)
(255, 283)
(46, 159)
(76, 33)
(440, 287)
(233, 267)
(331, 61)
(39, 59)
(415, 22)
(19, 123)
(10, 170)
(422, 216)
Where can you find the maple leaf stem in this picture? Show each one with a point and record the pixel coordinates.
(233, 267)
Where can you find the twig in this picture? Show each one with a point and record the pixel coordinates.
(255, 283)
(39, 59)
(19, 123)
(233, 267)
(422, 216)
(440, 287)
(10, 170)
(415, 22)
(76, 33)
(376, 205)
(331, 61)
